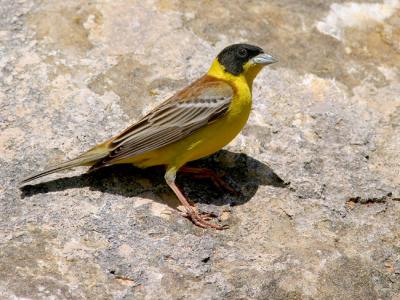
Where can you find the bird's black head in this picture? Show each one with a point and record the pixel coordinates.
(234, 57)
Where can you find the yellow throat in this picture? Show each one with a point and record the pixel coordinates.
(247, 77)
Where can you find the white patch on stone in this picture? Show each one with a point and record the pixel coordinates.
(389, 73)
(10, 138)
(355, 15)
(27, 60)
(156, 209)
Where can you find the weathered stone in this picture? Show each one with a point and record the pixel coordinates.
(318, 164)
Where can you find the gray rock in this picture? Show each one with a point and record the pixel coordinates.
(318, 163)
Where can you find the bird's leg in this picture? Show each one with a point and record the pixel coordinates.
(191, 211)
(207, 173)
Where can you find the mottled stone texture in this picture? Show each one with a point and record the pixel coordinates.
(318, 163)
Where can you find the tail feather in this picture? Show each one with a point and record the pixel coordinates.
(86, 159)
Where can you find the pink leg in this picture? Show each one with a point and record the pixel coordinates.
(191, 210)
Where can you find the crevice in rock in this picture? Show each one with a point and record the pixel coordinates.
(369, 200)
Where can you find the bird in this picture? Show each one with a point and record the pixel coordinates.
(194, 123)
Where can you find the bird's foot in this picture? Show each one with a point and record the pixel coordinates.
(191, 212)
(215, 178)
(201, 219)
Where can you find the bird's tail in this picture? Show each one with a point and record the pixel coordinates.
(85, 159)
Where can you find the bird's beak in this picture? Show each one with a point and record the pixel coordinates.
(264, 59)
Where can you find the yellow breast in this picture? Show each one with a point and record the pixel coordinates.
(210, 138)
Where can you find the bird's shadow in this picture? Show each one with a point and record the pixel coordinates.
(244, 173)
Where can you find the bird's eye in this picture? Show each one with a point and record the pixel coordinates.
(242, 52)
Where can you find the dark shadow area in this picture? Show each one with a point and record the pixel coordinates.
(243, 173)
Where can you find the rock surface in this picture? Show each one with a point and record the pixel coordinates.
(326, 120)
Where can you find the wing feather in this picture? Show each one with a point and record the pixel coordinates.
(204, 101)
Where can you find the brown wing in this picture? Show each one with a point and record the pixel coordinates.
(204, 101)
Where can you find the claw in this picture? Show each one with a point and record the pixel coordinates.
(191, 212)
(200, 221)
(201, 218)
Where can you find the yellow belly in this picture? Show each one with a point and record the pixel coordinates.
(204, 141)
